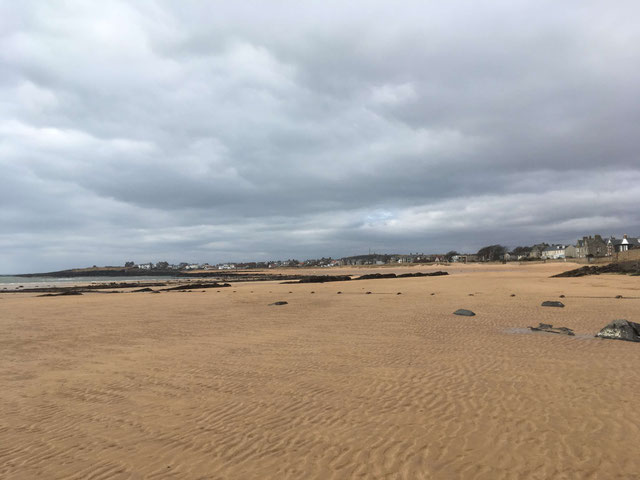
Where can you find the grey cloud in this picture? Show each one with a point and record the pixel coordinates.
(212, 132)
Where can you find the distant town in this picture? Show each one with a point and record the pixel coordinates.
(588, 247)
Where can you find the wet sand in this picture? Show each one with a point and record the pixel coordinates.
(220, 385)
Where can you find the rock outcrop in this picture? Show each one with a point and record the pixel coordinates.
(321, 279)
(621, 330)
(375, 276)
(547, 327)
(632, 267)
(464, 312)
(62, 294)
(191, 286)
(552, 303)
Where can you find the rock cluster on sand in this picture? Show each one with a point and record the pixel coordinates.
(547, 327)
(282, 302)
(376, 276)
(68, 292)
(631, 267)
(322, 279)
(621, 330)
(464, 313)
(370, 276)
(191, 286)
(552, 303)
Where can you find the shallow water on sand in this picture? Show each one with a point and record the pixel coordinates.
(11, 282)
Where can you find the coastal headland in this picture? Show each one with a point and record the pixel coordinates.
(373, 378)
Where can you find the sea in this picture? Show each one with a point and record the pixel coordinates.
(8, 282)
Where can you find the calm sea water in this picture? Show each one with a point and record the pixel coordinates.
(10, 282)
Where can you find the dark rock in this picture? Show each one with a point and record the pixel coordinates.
(322, 279)
(513, 295)
(399, 293)
(367, 293)
(618, 296)
(561, 296)
(547, 327)
(629, 267)
(339, 293)
(279, 303)
(61, 294)
(196, 285)
(621, 330)
(552, 303)
(464, 313)
(471, 294)
(376, 276)
(433, 294)
(579, 272)
(418, 274)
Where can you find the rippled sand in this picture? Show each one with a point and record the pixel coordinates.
(221, 385)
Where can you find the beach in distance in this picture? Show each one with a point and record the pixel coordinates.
(356, 379)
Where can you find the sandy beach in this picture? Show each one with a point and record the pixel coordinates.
(218, 384)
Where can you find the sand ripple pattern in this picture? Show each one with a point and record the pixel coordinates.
(220, 386)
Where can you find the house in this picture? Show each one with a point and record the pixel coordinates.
(554, 251)
(591, 247)
(145, 266)
(571, 251)
(536, 250)
(616, 245)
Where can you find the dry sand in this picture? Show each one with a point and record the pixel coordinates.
(221, 385)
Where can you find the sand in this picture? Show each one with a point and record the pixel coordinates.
(220, 385)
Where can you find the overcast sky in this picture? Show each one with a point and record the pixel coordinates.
(215, 131)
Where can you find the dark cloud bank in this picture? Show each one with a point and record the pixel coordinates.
(207, 131)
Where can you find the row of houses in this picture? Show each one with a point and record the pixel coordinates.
(165, 266)
(588, 247)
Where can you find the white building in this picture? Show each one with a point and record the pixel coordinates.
(554, 251)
